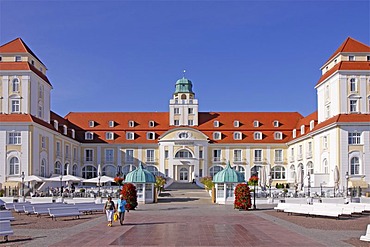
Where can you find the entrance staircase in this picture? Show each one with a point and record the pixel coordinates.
(183, 186)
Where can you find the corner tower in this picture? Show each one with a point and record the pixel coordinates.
(183, 105)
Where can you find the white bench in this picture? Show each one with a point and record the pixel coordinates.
(6, 215)
(43, 208)
(63, 212)
(89, 207)
(366, 237)
(5, 229)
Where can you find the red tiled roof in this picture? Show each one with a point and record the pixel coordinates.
(17, 46)
(23, 66)
(345, 65)
(350, 45)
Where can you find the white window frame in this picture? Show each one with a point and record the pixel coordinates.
(151, 123)
(109, 136)
(43, 142)
(353, 85)
(217, 135)
(190, 111)
(237, 135)
(15, 85)
(109, 155)
(276, 123)
(302, 129)
(216, 124)
(15, 105)
(150, 155)
(216, 155)
(237, 155)
(236, 124)
(89, 155)
(18, 58)
(65, 130)
(131, 123)
(91, 123)
(89, 135)
(257, 155)
(256, 123)
(351, 58)
(353, 105)
(15, 162)
(130, 135)
(278, 155)
(111, 123)
(150, 135)
(325, 142)
(355, 165)
(14, 138)
(176, 122)
(129, 155)
(191, 122)
(354, 138)
(257, 135)
(176, 111)
(278, 135)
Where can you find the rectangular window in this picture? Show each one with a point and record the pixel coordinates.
(176, 122)
(237, 155)
(191, 111)
(67, 151)
(256, 123)
(354, 138)
(15, 106)
(18, 58)
(59, 151)
(353, 105)
(325, 142)
(190, 122)
(351, 58)
(276, 123)
(91, 123)
(217, 135)
(89, 155)
(43, 142)
(130, 136)
(217, 155)
(327, 111)
(176, 111)
(278, 155)
(166, 154)
(109, 155)
(200, 154)
(216, 124)
(236, 123)
(75, 154)
(14, 138)
(111, 123)
(129, 155)
(258, 155)
(150, 155)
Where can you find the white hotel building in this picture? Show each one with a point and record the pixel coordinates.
(183, 143)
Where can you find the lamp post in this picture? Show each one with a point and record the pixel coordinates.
(347, 178)
(61, 185)
(22, 176)
(254, 192)
(270, 182)
(309, 184)
(99, 177)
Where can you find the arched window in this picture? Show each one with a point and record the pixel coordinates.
(109, 171)
(126, 169)
(43, 168)
(14, 166)
(66, 169)
(255, 170)
(58, 168)
(153, 170)
(239, 169)
(15, 85)
(310, 167)
(325, 166)
(89, 172)
(74, 170)
(355, 166)
(184, 154)
(278, 172)
(214, 169)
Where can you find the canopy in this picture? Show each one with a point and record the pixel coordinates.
(103, 179)
(228, 175)
(65, 178)
(30, 178)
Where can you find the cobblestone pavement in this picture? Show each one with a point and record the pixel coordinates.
(187, 218)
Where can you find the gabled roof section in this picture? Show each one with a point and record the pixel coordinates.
(350, 45)
(17, 46)
(344, 65)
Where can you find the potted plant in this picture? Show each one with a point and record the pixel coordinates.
(242, 197)
(130, 195)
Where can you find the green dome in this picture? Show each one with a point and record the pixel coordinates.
(184, 85)
(228, 175)
(140, 175)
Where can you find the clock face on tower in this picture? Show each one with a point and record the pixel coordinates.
(184, 135)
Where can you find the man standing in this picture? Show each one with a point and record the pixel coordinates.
(121, 203)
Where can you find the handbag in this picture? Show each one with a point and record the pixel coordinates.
(115, 216)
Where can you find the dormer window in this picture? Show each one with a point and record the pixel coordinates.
(256, 123)
(276, 123)
(217, 135)
(302, 130)
(237, 135)
(111, 123)
(294, 133)
(151, 123)
(312, 124)
(65, 130)
(216, 124)
(89, 136)
(130, 135)
(278, 136)
(91, 123)
(18, 58)
(236, 123)
(351, 58)
(56, 125)
(109, 136)
(150, 136)
(257, 136)
(73, 133)
(131, 123)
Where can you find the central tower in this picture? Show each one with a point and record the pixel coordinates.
(183, 105)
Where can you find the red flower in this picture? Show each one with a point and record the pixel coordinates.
(118, 180)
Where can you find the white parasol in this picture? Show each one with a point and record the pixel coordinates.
(103, 179)
(65, 178)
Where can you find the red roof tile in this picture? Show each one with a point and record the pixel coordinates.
(350, 45)
(17, 46)
(23, 66)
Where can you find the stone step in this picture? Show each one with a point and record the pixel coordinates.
(182, 186)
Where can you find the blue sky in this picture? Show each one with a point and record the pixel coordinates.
(240, 55)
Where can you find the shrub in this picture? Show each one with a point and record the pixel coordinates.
(2, 192)
(82, 190)
(130, 195)
(242, 197)
(253, 181)
(118, 180)
(159, 183)
(208, 183)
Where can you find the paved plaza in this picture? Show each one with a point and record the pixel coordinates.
(188, 218)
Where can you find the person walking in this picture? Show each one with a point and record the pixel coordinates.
(121, 203)
(109, 210)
